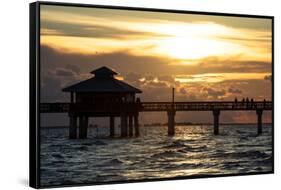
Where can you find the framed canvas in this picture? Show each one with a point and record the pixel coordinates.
(121, 94)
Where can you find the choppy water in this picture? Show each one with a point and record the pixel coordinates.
(194, 150)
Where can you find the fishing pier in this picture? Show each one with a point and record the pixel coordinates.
(105, 96)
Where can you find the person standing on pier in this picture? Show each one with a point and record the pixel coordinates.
(247, 102)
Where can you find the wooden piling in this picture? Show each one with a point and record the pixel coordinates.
(136, 124)
(171, 122)
(130, 125)
(83, 127)
(72, 127)
(259, 120)
(216, 114)
(124, 125)
(111, 130)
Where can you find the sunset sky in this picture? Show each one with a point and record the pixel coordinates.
(204, 57)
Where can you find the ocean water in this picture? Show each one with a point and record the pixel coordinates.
(194, 150)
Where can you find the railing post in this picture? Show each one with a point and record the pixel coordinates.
(216, 114)
(259, 120)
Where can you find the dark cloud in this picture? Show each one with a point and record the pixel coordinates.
(133, 67)
(263, 24)
(149, 77)
(51, 89)
(183, 91)
(231, 65)
(64, 72)
(213, 92)
(166, 78)
(132, 77)
(73, 68)
(124, 63)
(157, 84)
(234, 91)
(268, 77)
(91, 31)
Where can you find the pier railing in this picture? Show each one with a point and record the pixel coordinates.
(155, 106)
(205, 106)
(126, 111)
(89, 108)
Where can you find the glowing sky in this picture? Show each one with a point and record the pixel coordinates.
(205, 57)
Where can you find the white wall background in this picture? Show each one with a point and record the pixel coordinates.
(14, 73)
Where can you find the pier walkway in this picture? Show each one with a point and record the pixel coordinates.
(170, 107)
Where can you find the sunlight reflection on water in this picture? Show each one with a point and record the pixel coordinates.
(194, 150)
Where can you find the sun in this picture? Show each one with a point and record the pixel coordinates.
(187, 47)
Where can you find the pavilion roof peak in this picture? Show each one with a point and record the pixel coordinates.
(103, 81)
(103, 72)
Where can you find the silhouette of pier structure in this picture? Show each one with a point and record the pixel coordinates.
(105, 96)
(102, 96)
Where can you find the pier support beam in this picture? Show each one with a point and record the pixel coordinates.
(72, 127)
(171, 122)
(124, 125)
(136, 123)
(130, 125)
(216, 114)
(111, 125)
(83, 127)
(259, 114)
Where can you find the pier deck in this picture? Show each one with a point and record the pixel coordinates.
(165, 106)
(128, 112)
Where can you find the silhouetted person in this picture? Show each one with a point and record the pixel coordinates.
(247, 102)
(138, 102)
(252, 102)
(264, 102)
(235, 102)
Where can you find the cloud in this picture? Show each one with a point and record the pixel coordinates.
(167, 78)
(123, 62)
(268, 77)
(159, 84)
(57, 63)
(73, 68)
(51, 89)
(92, 31)
(183, 91)
(234, 91)
(132, 77)
(64, 72)
(161, 67)
(232, 65)
(214, 93)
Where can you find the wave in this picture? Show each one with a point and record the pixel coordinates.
(59, 156)
(245, 154)
(188, 148)
(114, 161)
(176, 144)
(185, 166)
(167, 153)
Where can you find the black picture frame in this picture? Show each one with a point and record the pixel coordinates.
(34, 94)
